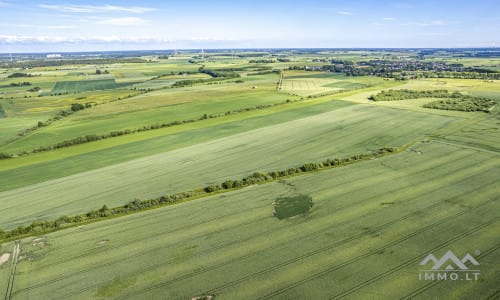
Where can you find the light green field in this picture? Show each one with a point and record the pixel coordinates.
(370, 226)
(341, 132)
(163, 106)
(314, 83)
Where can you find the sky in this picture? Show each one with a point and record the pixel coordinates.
(62, 26)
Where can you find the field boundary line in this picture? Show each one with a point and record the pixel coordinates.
(12, 271)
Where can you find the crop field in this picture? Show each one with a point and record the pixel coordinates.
(336, 133)
(369, 228)
(83, 86)
(250, 174)
(303, 84)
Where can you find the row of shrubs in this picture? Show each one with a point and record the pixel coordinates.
(96, 137)
(61, 114)
(24, 83)
(44, 226)
(19, 74)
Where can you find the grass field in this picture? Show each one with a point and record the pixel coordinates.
(83, 86)
(332, 134)
(370, 226)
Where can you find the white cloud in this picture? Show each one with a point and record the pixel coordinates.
(389, 19)
(73, 8)
(344, 13)
(126, 21)
(4, 3)
(60, 26)
(14, 39)
(39, 26)
(427, 24)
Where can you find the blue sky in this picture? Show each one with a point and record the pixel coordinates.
(47, 26)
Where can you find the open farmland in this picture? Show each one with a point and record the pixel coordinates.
(303, 84)
(369, 227)
(248, 174)
(332, 134)
(83, 86)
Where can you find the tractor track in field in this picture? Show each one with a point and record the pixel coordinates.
(296, 259)
(211, 250)
(338, 243)
(90, 251)
(413, 260)
(495, 295)
(12, 270)
(375, 251)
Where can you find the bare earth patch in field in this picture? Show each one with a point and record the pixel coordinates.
(4, 258)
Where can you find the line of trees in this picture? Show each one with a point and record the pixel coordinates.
(19, 74)
(224, 73)
(137, 205)
(24, 83)
(261, 61)
(116, 133)
(96, 137)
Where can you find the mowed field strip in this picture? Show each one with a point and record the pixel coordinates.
(333, 134)
(370, 226)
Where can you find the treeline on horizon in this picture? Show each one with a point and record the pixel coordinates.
(63, 61)
(403, 70)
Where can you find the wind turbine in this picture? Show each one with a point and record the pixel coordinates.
(202, 53)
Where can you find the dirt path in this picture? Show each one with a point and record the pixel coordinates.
(12, 271)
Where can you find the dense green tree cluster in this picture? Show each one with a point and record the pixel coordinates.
(261, 61)
(44, 226)
(402, 94)
(77, 106)
(450, 101)
(25, 83)
(19, 74)
(222, 73)
(466, 103)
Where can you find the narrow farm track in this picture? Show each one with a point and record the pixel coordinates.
(432, 284)
(12, 271)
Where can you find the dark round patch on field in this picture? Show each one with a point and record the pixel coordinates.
(287, 207)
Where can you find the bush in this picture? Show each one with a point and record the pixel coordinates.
(77, 106)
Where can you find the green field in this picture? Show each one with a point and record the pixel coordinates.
(83, 86)
(332, 134)
(370, 226)
(141, 203)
